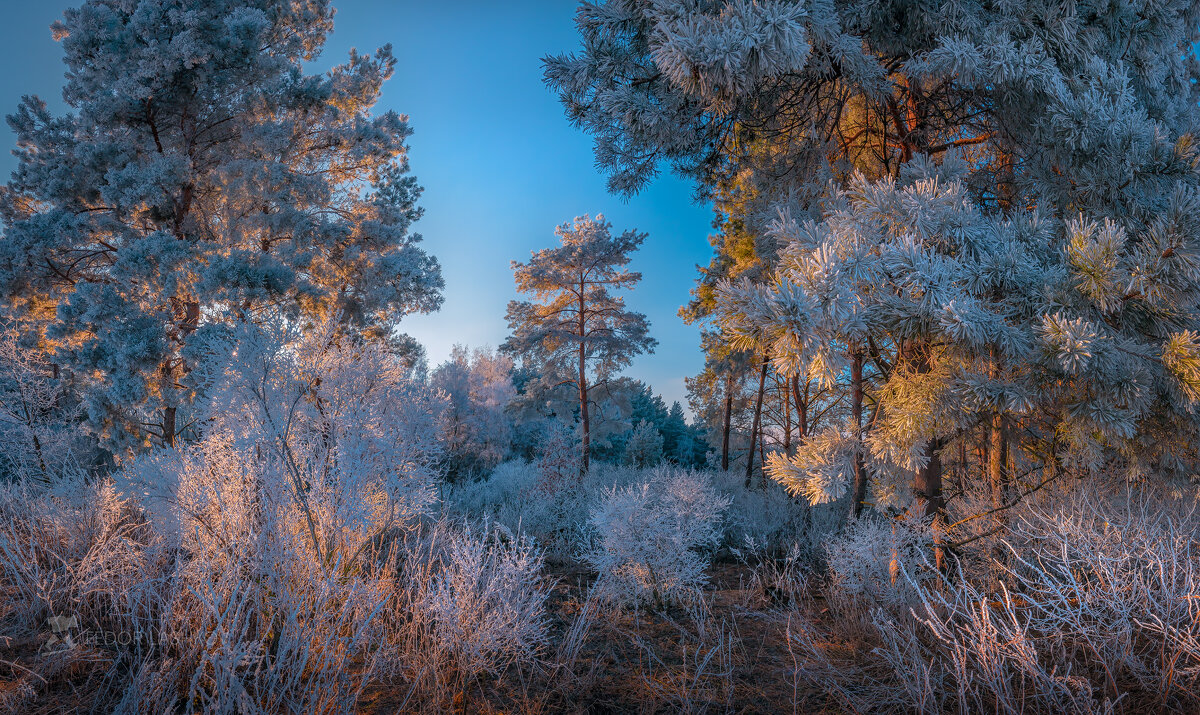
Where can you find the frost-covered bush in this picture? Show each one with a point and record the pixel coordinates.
(550, 505)
(865, 561)
(772, 520)
(344, 437)
(1097, 612)
(282, 562)
(558, 456)
(77, 549)
(77, 552)
(649, 537)
(480, 592)
(318, 449)
(40, 421)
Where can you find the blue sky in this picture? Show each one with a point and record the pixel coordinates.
(500, 164)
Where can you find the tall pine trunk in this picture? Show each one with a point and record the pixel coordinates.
(728, 421)
(187, 314)
(585, 447)
(754, 428)
(927, 487)
(997, 447)
(860, 471)
(997, 461)
(787, 416)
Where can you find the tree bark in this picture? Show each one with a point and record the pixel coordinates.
(927, 488)
(728, 419)
(801, 410)
(787, 417)
(998, 446)
(754, 429)
(997, 461)
(585, 448)
(187, 314)
(860, 471)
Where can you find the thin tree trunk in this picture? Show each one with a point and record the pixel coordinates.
(998, 447)
(728, 419)
(787, 417)
(585, 448)
(860, 471)
(801, 410)
(168, 426)
(754, 429)
(762, 461)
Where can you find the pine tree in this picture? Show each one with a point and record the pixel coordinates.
(201, 177)
(983, 212)
(576, 331)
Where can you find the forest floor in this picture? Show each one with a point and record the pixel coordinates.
(730, 656)
(733, 658)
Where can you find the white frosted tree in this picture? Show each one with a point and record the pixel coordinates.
(477, 428)
(577, 332)
(202, 177)
(336, 439)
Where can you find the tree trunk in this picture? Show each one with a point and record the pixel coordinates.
(762, 383)
(585, 448)
(927, 488)
(998, 445)
(168, 426)
(860, 471)
(997, 461)
(728, 419)
(787, 417)
(801, 411)
(187, 315)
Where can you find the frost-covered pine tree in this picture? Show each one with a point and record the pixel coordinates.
(200, 177)
(925, 141)
(644, 447)
(577, 332)
(903, 275)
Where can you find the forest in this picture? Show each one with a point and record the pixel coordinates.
(943, 455)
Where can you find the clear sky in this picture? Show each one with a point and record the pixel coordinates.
(500, 164)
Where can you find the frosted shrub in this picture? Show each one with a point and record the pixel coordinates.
(318, 452)
(339, 425)
(548, 505)
(773, 520)
(477, 430)
(864, 562)
(650, 538)
(558, 457)
(1096, 612)
(38, 416)
(63, 552)
(485, 597)
(76, 552)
